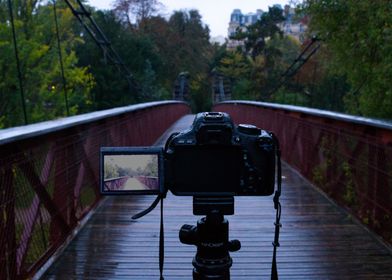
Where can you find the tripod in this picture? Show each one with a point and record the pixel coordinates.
(211, 237)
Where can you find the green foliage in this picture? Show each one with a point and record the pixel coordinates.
(200, 93)
(349, 196)
(235, 66)
(330, 93)
(151, 168)
(256, 69)
(286, 49)
(155, 49)
(358, 34)
(255, 36)
(40, 65)
(294, 98)
(242, 90)
(111, 171)
(190, 43)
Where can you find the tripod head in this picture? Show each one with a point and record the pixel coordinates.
(211, 237)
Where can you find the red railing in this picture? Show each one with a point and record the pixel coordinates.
(49, 176)
(349, 158)
(115, 183)
(149, 181)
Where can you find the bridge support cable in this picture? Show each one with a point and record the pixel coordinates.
(297, 64)
(96, 33)
(20, 78)
(61, 58)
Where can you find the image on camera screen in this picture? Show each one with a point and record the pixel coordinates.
(131, 173)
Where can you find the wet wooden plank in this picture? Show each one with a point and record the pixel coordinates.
(318, 240)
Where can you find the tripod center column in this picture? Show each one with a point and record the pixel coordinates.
(212, 260)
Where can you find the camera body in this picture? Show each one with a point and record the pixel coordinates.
(213, 158)
(216, 158)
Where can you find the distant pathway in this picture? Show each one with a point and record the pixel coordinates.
(134, 185)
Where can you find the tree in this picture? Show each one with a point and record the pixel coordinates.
(255, 36)
(40, 65)
(135, 11)
(190, 42)
(151, 168)
(356, 32)
(235, 66)
(139, 55)
(238, 67)
(264, 48)
(183, 45)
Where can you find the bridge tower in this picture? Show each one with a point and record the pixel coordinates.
(181, 87)
(221, 87)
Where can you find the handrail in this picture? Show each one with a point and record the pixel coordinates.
(49, 174)
(26, 131)
(387, 124)
(348, 157)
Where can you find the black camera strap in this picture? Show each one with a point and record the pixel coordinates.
(149, 209)
(161, 244)
(278, 207)
(161, 233)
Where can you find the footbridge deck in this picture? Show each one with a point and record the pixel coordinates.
(319, 240)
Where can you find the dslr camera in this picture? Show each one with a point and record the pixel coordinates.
(213, 161)
(214, 158)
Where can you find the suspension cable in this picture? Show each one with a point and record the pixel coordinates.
(60, 58)
(96, 33)
(297, 64)
(20, 78)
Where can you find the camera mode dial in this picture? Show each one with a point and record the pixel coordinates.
(249, 129)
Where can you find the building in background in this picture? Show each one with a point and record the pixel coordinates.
(292, 25)
(240, 20)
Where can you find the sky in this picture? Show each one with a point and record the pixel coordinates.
(130, 161)
(215, 13)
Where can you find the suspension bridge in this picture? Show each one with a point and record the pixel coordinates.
(336, 198)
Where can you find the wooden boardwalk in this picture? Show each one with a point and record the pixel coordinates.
(318, 240)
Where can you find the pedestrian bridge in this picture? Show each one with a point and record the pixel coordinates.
(336, 198)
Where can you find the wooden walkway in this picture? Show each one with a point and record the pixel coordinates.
(318, 240)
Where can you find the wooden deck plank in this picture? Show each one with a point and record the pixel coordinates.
(318, 240)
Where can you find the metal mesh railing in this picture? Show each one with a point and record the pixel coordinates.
(349, 158)
(49, 178)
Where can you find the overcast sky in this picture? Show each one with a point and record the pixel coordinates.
(130, 161)
(215, 13)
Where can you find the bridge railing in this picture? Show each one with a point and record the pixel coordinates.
(349, 158)
(49, 177)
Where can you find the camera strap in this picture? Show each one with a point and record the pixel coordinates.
(161, 244)
(277, 206)
(161, 235)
